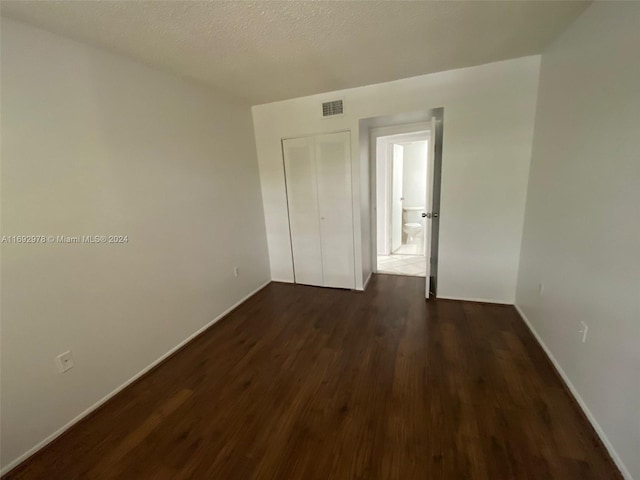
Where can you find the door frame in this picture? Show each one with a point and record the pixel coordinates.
(392, 164)
(437, 138)
(419, 136)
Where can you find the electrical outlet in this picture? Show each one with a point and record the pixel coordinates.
(64, 361)
(236, 271)
(584, 328)
(540, 289)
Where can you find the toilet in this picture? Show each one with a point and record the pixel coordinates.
(412, 223)
(412, 230)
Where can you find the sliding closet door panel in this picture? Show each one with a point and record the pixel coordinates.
(304, 218)
(333, 163)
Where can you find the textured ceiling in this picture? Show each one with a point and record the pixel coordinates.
(265, 51)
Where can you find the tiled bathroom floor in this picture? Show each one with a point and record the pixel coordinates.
(414, 265)
(409, 249)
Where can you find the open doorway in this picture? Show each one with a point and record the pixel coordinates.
(416, 228)
(401, 190)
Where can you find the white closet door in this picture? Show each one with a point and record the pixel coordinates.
(333, 163)
(304, 217)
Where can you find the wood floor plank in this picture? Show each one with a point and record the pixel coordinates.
(316, 384)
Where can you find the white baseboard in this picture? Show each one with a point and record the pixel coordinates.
(596, 426)
(60, 431)
(282, 280)
(481, 300)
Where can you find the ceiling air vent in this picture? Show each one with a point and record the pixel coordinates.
(333, 108)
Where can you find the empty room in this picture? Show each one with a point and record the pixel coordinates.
(281, 240)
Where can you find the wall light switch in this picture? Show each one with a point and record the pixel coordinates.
(64, 361)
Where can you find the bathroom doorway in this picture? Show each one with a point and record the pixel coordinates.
(401, 193)
(408, 124)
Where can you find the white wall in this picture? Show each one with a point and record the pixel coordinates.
(414, 174)
(582, 233)
(361, 205)
(93, 144)
(489, 114)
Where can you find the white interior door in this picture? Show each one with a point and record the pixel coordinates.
(304, 218)
(333, 164)
(397, 162)
(431, 151)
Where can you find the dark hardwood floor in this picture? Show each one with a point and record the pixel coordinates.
(310, 383)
